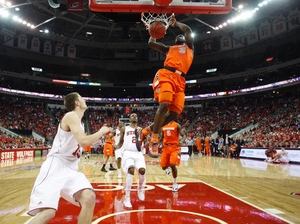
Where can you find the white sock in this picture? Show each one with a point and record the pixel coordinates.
(141, 181)
(129, 179)
(119, 171)
(175, 180)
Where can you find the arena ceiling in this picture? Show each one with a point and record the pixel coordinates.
(120, 30)
(114, 27)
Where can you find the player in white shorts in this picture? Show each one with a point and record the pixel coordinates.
(281, 157)
(59, 176)
(133, 158)
(118, 152)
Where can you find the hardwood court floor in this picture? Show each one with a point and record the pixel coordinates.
(266, 187)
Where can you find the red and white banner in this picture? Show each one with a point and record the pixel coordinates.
(238, 39)
(294, 19)
(59, 50)
(264, 30)
(72, 51)
(13, 157)
(252, 36)
(279, 25)
(8, 37)
(162, 56)
(207, 46)
(22, 41)
(226, 43)
(35, 44)
(48, 47)
(153, 55)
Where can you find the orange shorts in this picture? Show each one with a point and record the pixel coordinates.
(169, 87)
(170, 155)
(88, 149)
(108, 149)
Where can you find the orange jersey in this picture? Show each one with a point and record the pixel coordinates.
(180, 57)
(198, 144)
(87, 148)
(171, 134)
(170, 154)
(109, 141)
(206, 145)
(206, 142)
(108, 149)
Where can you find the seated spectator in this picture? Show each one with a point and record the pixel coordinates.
(281, 157)
(232, 150)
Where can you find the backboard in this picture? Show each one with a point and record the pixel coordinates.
(175, 6)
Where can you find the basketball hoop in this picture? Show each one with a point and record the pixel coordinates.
(149, 18)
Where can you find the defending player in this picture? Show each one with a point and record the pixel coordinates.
(59, 176)
(118, 152)
(170, 156)
(133, 158)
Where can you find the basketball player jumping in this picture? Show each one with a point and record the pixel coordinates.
(169, 82)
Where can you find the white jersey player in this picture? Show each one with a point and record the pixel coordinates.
(133, 158)
(282, 156)
(118, 152)
(59, 176)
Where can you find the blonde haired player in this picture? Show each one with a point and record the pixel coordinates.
(59, 176)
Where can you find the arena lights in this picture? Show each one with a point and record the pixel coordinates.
(4, 3)
(280, 84)
(76, 83)
(211, 70)
(243, 15)
(35, 69)
(5, 7)
(187, 82)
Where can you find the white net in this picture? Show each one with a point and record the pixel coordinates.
(148, 18)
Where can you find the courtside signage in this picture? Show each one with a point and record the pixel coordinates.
(259, 153)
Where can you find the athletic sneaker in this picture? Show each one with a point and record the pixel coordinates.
(127, 202)
(145, 131)
(168, 171)
(141, 194)
(112, 168)
(175, 187)
(120, 175)
(153, 148)
(103, 169)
